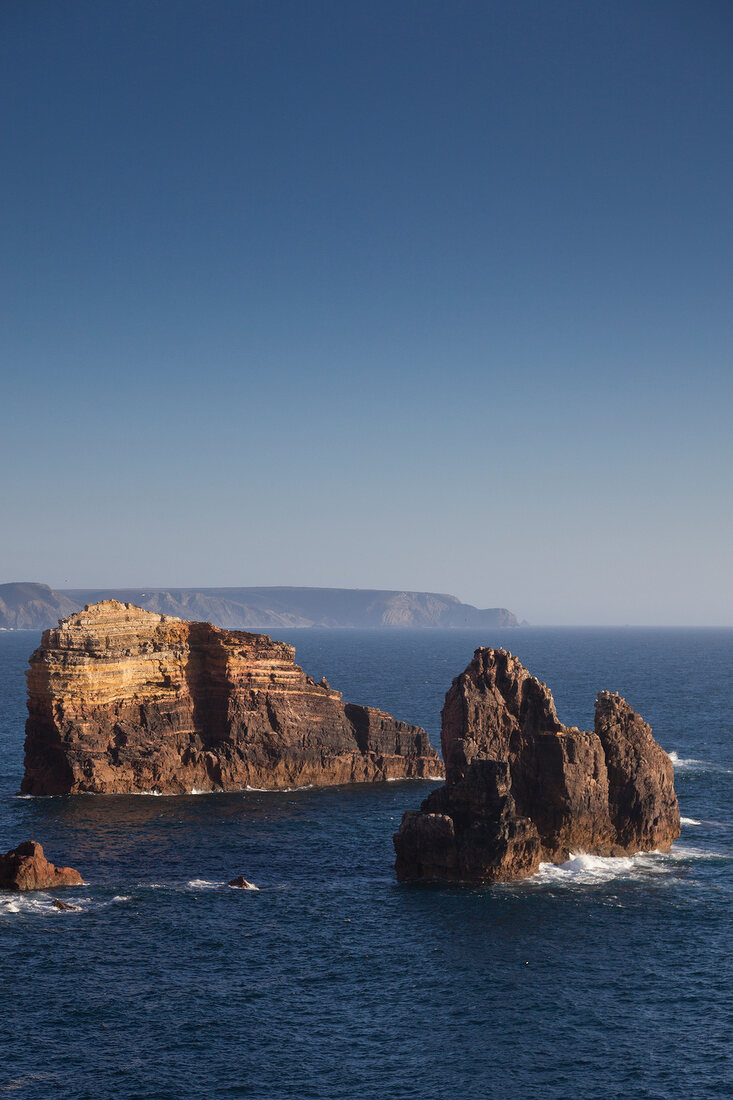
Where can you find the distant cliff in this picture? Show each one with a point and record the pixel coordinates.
(37, 606)
(30, 606)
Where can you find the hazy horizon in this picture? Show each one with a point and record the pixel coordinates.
(397, 296)
(523, 621)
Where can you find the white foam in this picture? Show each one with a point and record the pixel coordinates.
(276, 790)
(249, 886)
(416, 779)
(690, 764)
(689, 821)
(681, 764)
(584, 869)
(204, 884)
(678, 854)
(36, 904)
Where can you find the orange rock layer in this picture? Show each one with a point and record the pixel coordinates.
(121, 700)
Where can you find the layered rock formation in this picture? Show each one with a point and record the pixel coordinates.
(124, 700)
(26, 868)
(521, 787)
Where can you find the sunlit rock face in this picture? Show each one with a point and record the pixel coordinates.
(124, 700)
(26, 868)
(521, 787)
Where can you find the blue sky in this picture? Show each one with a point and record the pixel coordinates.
(403, 295)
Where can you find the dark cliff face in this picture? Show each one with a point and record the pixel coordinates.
(122, 700)
(521, 787)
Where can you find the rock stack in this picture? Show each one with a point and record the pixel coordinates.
(521, 787)
(125, 700)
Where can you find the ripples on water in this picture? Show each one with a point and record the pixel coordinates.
(599, 978)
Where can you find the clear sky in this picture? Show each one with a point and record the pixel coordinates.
(372, 294)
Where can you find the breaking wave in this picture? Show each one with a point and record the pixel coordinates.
(690, 764)
(583, 869)
(689, 821)
(39, 905)
(587, 870)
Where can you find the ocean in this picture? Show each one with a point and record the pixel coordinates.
(601, 978)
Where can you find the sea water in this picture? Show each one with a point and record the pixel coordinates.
(598, 978)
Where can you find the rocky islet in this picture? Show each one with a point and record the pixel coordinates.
(26, 868)
(122, 700)
(521, 787)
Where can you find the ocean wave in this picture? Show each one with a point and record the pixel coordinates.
(689, 821)
(681, 853)
(691, 764)
(584, 869)
(204, 884)
(39, 905)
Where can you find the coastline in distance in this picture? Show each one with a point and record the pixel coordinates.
(33, 606)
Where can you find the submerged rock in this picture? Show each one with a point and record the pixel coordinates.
(241, 883)
(65, 906)
(521, 787)
(26, 868)
(125, 700)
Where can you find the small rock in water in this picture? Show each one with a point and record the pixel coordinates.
(65, 905)
(241, 883)
(26, 868)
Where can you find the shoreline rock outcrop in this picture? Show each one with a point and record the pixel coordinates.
(122, 700)
(522, 788)
(26, 868)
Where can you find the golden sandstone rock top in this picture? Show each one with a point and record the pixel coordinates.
(122, 700)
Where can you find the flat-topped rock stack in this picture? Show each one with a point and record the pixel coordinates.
(122, 700)
(521, 787)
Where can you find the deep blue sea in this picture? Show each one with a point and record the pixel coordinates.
(602, 978)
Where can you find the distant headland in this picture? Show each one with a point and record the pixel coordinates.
(32, 606)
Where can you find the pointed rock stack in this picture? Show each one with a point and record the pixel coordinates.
(522, 788)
